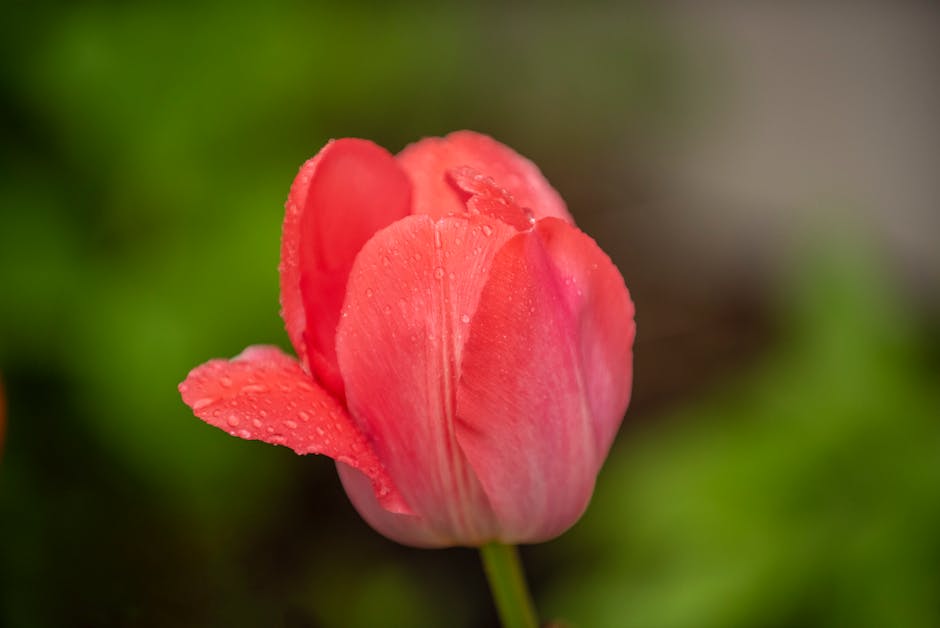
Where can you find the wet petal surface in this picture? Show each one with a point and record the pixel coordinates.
(428, 161)
(412, 295)
(545, 378)
(481, 195)
(264, 394)
(340, 198)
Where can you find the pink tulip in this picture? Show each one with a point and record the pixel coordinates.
(464, 351)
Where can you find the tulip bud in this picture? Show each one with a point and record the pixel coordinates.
(464, 351)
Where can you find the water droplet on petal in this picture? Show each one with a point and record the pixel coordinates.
(320, 431)
(226, 381)
(439, 273)
(465, 319)
(303, 416)
(291, 424)
(244, 434)
(369, 292)
(255, 388)
(233, 420)
(256, 422)
(385, 260)
(487, 230)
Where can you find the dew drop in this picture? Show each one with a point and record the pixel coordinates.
(263, 413)
(437, 239)
(291, 424)
(255, 388)
(303, 416)
(226, 381)
(320, 431)
(387, 309)
(385, 261)
(256, 422)
(244, 434)
(465, 319)
(277, 439)
(487, 230)
(369, 292)
(439, 273)
(233, 420)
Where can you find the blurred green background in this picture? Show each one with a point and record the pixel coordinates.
(764, 178)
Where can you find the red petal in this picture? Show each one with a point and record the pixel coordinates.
(546, 378)
(340, 198)
(482, 196)
(403, 528)
(428, 161)
(265, 395)
(412, 293)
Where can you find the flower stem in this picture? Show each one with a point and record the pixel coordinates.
(507, 582)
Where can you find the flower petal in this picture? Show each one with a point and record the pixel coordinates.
(545, 378)
(403, 528)
(412, 294)
(482, 196)
(428, 161)
(340, 198)
(265, 395)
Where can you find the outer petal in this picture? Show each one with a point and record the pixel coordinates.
(546, 378)
(406, 529)
(340, 198)
(428, 161)
(412, 293)
(265, 395)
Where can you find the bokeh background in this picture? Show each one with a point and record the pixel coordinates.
(764, 175)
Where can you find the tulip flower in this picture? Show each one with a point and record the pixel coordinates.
(464, 351)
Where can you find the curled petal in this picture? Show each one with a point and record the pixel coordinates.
(340, 198)
(412, 294)
(545, 378)
(265, 395)
(428, 161)
(482, 196)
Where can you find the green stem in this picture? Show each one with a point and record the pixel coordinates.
(507, 582)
